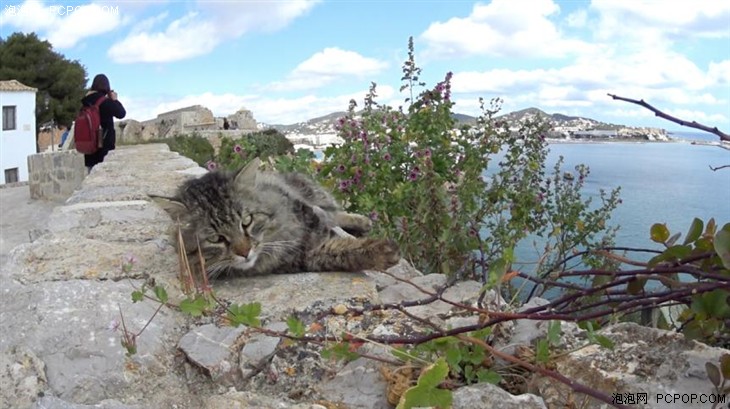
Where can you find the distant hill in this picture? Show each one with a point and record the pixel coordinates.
(564, 126)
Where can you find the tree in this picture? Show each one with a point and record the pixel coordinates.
(60, 82)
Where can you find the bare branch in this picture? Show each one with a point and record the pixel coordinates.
(694, 124)
(719, 167)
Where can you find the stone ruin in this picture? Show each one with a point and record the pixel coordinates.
(66, 294)
(196, 118)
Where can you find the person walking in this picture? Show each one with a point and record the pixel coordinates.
(108, 110)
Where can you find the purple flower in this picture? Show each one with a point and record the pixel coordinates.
(344, 185)
(374, 216)
(417, 169)
(386, 157)
(211, 165)
(427, 153)
(237, 149)
(341, 168)
(413, 176)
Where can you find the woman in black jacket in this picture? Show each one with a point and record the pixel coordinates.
(108, 110)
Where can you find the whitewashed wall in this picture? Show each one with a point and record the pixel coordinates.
(18, 144)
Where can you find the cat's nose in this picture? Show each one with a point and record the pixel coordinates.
(242, 247)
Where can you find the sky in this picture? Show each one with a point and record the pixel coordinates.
(291, 60)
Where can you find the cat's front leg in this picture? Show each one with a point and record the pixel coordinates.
(352, 254)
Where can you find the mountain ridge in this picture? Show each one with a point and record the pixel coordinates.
(563, 126)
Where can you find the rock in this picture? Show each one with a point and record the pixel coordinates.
(51, 402)
(359, 385)
(282, 294)
(250, 400)
(486, 395)
(258, 349)
(73, 327)
(644, 360)
(24, 378)
(212, 348)
(403, 270)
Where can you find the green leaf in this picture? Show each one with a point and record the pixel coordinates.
(725, 366)
(161, 294)
(673, 239)
(489, 376)
(426, 392)
(542, 351)
(604, 341)
(246, 314)
(712, 304)
(453, 357)
(713, 372)
(636, 286)
(137, 296)
(194, 307)
(710, 228)
(296, 327)
(339, 351)
(553, 334)
(659, 233)
(722, 246)
(496, 272)
(695, 230)
(678, 252)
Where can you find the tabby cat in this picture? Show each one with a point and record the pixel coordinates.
(255, 222)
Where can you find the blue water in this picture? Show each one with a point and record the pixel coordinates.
(660, 183)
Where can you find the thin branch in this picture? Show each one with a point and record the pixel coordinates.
(694, 124)
(719, 167)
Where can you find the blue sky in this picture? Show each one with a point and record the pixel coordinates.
(292, 60)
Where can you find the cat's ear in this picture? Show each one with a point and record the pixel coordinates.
(247, 175)
(173, 207)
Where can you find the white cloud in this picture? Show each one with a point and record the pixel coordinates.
(326, 67)
(697, 18)
(186, 37)
(199, 32)
(64, 25)
(502, 28)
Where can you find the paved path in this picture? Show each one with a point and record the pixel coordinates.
(18, 215)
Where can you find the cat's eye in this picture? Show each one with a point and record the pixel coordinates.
(217, 239)
(247, 220)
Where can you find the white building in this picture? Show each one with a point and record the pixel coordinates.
(17, 136)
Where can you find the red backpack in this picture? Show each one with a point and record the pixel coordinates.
(88, 135)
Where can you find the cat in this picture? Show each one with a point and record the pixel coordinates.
(254, 222)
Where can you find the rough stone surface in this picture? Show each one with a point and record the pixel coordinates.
(55, 175)
(283, 294)
(486, 395)
(644, 360)
(258, 349)
(50, 402)
(358, 385)
(213, 349)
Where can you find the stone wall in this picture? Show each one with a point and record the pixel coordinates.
(55, 175)
(67, 295)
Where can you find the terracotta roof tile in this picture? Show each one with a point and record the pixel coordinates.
(15, 85)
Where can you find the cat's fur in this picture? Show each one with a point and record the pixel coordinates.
(255, 222)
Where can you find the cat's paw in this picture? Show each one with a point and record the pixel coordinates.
(385, 254)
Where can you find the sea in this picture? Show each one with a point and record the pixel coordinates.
(661, 182)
